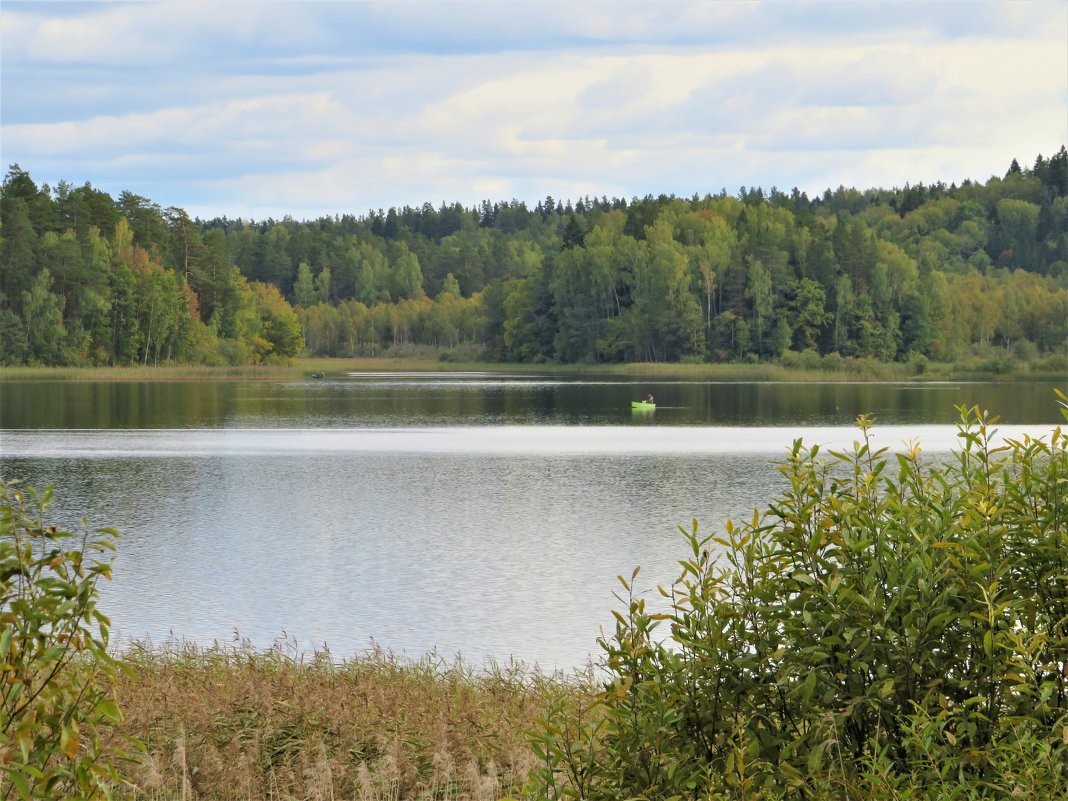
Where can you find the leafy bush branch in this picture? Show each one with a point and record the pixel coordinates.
(54, 706)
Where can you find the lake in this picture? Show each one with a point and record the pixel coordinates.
(475, 514)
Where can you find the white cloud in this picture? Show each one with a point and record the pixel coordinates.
(346, 106)
(149, 33)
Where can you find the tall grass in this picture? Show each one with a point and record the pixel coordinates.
(230, 722)
(805, 366)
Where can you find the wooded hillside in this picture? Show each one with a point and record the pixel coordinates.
(933, 271)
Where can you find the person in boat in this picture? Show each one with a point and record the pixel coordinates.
(650, 398)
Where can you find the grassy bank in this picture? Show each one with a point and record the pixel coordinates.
(825, 369)
(233, 723)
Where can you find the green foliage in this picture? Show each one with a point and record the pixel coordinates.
(42, 316)
(56, 707)
(304, 286)
(280, 326)
(888, 627)
(880, 274)
(808, 314)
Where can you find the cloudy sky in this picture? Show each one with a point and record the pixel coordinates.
(258, 109)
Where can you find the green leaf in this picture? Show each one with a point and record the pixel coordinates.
(110, 710)
(21, 783)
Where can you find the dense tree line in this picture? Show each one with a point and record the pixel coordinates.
(88, 280)
(935, 271)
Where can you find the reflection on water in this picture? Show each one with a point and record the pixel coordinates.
(488, 556)
(504, 440)
(384, 401)
(493, 542)
(478, 514)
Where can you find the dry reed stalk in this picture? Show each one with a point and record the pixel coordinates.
(229, 723)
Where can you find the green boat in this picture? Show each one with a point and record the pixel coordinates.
(642, 406)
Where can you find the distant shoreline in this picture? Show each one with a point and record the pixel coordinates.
(304, 368)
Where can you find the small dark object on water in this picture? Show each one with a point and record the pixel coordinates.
(318, 375)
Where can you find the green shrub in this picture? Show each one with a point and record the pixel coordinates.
(53, 655)
(886, 628)
(808, 359)
(1054, 364)
(917, 363)
(833, 362)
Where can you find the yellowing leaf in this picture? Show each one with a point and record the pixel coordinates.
(68, 741)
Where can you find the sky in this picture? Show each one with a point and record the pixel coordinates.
(274, 108)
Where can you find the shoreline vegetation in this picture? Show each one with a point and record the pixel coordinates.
(229, 721)
(806, 367)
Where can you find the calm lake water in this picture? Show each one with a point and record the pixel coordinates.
(474, 514)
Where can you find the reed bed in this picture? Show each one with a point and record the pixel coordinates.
(232, 723)
(800, 367)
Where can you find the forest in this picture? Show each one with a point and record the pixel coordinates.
(921, 272)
